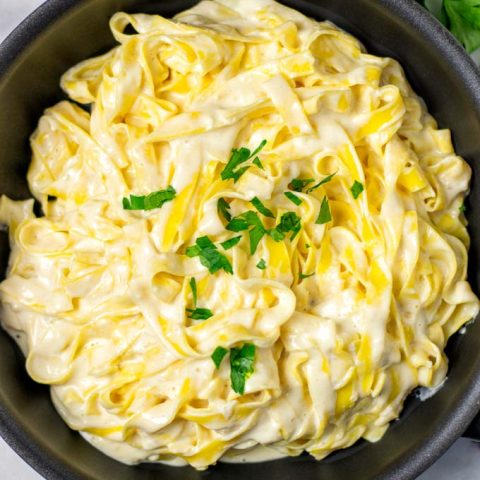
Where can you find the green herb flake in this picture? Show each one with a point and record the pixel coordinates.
(237, 224)
(324, 215)
(298, 184)
(293, 198)
(289, 222)
(241, 366)
(193, 287)
(209, 255)
(223, 208)
(150, 201)
(256, 161)
(262, 264)
(276, 235)
(257, 203)
(228, 244)
(356, 189)
(238, 157)
(295, 231)
(244, 221)
(462, 208)
(249, 220)
(303, 276)
(326, 180)
(218, 355)
(255, 235)
(199, 313)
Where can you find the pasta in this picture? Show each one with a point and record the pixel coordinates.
(253, 243)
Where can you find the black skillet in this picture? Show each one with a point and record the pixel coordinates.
(61, 33)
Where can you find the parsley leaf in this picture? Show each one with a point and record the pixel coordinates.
(463, 20)
(209, 255)
(237, 158)
(262, 264)
(237, 224)
(255, 235)
(277, 235)
(230, 243)
(257, 203)
(241, 366)
(302, 276)
(149, 202)
(243, 222)
(324, 215)
(289, 222)
(322, 182)
(200, 313)
(218, 355)
(298, 184)
(193, 287)
(461, 17)
(256, 161)
(293, 198)
(356, 189)
(223, 208)
(462, 208)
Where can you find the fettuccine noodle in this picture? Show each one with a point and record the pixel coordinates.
(347, 312)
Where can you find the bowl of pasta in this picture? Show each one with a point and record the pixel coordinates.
(240, 237)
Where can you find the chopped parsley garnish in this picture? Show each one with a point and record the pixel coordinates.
(256, 161)
(218, 355)
(324, 215)
(289, 222)
(262, 264)
(245, 221)
(257, 203)
(298, 184)
(356, 189)
(223, 208)
(462, 208)
(242, 360)
(255, 235)
(230, 243)
(209, 255)
(238, 157)
(321, 182)
(276, 234)
(193, 287)
(200, 313)
(293, 198)
(149, 202)
(241, 366)
(302, 275)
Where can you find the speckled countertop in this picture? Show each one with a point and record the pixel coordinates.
(461, 462)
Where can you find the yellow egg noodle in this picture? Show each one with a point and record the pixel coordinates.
(347, 313)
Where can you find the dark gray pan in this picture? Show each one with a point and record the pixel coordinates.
(63, 32)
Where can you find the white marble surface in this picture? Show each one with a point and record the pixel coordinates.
(461, 462)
